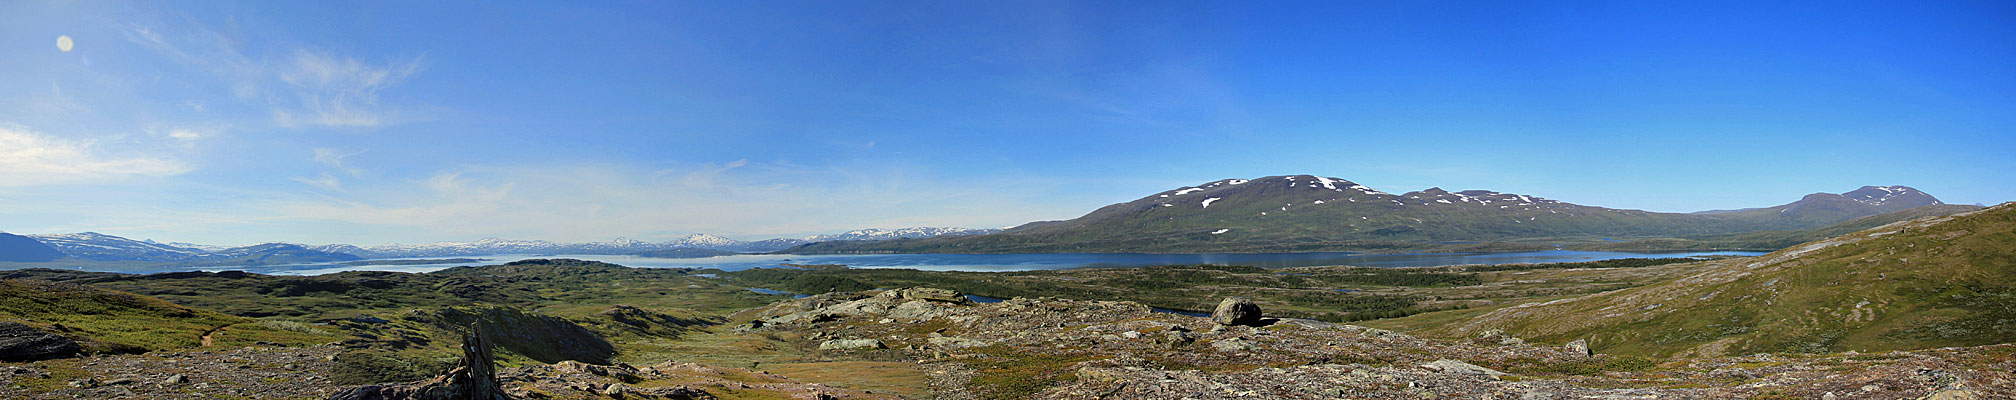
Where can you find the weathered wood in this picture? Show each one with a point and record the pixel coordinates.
(479, 368)
(474, 378)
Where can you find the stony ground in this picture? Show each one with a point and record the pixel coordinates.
(1047, 348)
(303, 373)
(669, 380)
(243, 373)
(1070, 349)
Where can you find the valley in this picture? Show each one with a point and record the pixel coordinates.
(585, 329)
(1069, 200)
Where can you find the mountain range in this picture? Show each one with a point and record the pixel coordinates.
(1270, 214)
(102, 247)
(1314, 213)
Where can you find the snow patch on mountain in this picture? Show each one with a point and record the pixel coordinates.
(902, 233)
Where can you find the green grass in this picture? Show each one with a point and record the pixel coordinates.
(1948, 284)
(542, 310)
(106, 321)
(1011, 374)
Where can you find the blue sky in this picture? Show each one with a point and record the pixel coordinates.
(241, 122)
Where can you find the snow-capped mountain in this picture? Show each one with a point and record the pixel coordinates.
(705, 241)
(98, 246)
(902, 233)
(203, 247)
(276, 253)
(103, 247)
(495, 246)
(1891, 198)
(1311, 212)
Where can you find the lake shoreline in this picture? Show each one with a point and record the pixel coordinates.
(1010, 262)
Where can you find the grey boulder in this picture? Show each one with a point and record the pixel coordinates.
(1236, 311)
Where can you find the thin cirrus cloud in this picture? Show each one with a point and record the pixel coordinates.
(305, 88)
(28, 158)
(334, 160)
(340, 92)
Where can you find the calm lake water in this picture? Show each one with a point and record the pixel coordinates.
(1018, 262)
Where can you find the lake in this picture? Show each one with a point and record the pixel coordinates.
(1019, 262)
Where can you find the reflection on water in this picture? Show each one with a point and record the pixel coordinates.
(779, 292)
(1020, 262)
(984, 299)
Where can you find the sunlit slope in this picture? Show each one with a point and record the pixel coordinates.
(1932, 282)
(108, 321)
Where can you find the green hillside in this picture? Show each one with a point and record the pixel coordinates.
(1932, 282)
(1773, 240)
(107, 321)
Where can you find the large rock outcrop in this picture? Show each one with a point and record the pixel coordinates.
(19, 342)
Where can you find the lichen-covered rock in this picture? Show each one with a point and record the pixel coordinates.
(935, 294)
(1498, 336)
(1236, 311)
(1580, 347)
(1449, 366)
(1234, 345)
(852, 344)
(955, 342)
(919, 309)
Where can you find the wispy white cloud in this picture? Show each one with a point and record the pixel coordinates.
(28, 158)
(334, 159)
(305, 88)
(326, 182)
(339, 92)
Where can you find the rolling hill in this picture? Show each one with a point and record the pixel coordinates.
(109, 321)
(1924, 283)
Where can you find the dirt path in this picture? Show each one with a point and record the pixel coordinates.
(213, 331)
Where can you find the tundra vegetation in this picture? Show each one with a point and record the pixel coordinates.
(1834, 316)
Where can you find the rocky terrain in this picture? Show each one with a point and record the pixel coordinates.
(1057, 348)
(263, 372)
(1051, 348)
